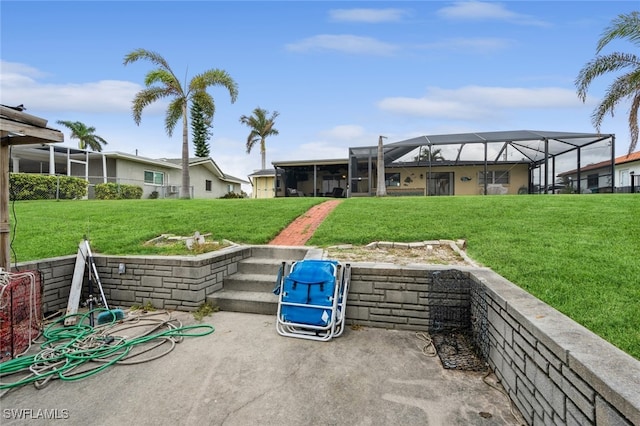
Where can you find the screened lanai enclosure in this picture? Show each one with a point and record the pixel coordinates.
(505, 162)
(483, 163)
(313, 178)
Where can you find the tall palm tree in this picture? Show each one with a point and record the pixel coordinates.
(169, 87)
(261, 126)
(625, 86)
(87, 139)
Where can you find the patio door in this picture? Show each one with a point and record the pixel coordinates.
(440, 184)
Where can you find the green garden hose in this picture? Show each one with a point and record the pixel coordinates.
(70, 353)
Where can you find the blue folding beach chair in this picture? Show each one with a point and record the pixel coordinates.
(312, 299)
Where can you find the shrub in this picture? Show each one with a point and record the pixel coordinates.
(115, 191)
(230, 195)
(72, 188)
(29, 186)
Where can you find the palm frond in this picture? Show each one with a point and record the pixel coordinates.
(252, 139)
(214, 77)
(602, 65)
(624, 26)
(174, 113)
(144, 98)
(165, 78)
(151, 56)
(621, 88)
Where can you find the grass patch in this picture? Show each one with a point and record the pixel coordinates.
(204, 310)
(121, 227)
(578, 253)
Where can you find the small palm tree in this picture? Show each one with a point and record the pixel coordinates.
(625, 86)
(169, 87)
(425, 154)
(261, 126)
(87, 139)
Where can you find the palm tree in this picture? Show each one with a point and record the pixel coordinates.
(625, 86)
(87, 139)
(426, 154)
(169, 87)
(261, 127)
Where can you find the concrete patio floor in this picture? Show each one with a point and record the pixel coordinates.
(246, 374)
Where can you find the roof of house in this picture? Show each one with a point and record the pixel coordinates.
(634, 156)
(325, 162)
(264, 172)
(623, 159)
(41, 151)
(209, 164)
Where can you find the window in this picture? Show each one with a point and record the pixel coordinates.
(207, 185)
(593, 180)
(494, 176)
(230, 187)
(153, 178)
(392, 179)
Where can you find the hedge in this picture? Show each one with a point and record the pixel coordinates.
(29, 186)
(115, 191)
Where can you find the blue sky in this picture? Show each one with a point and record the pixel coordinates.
(339, 73)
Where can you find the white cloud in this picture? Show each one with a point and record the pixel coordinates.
(478, 102)
(21, 84)
(367, 15)
(344, 132)
(343, 43)
(483, 11)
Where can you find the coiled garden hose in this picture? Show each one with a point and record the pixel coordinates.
(70, 353)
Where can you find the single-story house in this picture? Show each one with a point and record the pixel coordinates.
(160, 178)
(483, 163)
(596, 177)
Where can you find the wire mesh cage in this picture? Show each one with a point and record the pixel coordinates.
(20, 312)
(458, 321)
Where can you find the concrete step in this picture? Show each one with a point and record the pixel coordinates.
(260, 265)
(253, 302)
(250, 282)
(251, 288)
(279, 252)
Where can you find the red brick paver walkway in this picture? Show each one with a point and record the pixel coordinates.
(302, 229)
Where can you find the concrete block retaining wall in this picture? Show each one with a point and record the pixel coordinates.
(176, 282)
(554, 370)
(408, 298)
(56, 273)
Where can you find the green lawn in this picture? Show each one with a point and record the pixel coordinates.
(579, 253)
(54, 228)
